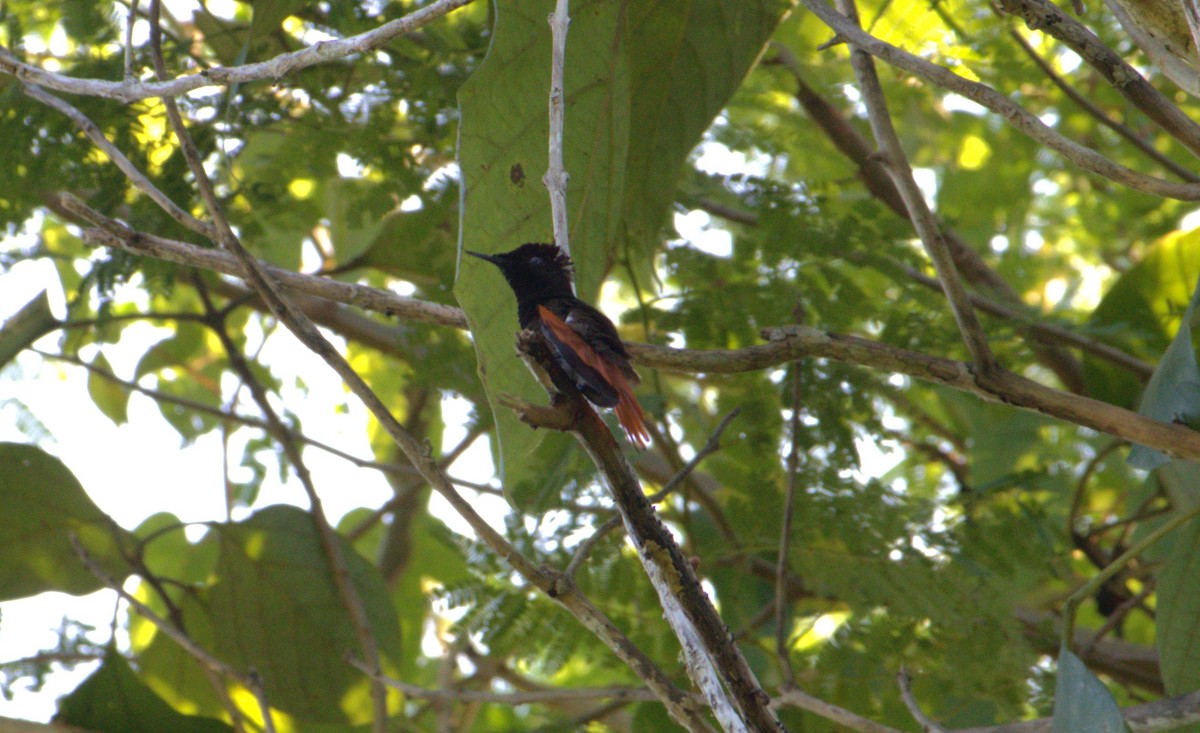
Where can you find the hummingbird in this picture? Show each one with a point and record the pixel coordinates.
(587, 353)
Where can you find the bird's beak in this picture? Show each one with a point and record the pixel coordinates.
(490, 258)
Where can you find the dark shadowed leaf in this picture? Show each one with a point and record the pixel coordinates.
(1178, 613)
(114, 700)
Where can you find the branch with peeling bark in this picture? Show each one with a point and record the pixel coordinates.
(714, 662)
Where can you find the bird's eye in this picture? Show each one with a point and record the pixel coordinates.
(535, 261)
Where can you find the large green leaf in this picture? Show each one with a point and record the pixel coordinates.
(642, 84)
(43, 506)
(1141, 311)
(1178, 613)
(114, 700)
(1082, 702)
(275, 609)
(1173, 394)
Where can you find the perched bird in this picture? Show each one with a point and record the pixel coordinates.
(584, 344)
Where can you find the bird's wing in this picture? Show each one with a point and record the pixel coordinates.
(572, 341)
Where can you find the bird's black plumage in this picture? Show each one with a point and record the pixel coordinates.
(588, 354)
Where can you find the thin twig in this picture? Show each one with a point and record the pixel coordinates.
(556, 177)
(223, 415)
(272, 69)
(782, 627)
(329, 539)
(114, 234)
(118, 158)
(1098, 114)
(798, 698)
(1045, 333)
(914, 202)
(1116, 617)
(904, 680)
(554, 694)
(1095, 582)
(133, 7)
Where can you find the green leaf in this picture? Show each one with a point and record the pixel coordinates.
(1173, 394)
(27, 325)
(43, 505)
(641, 86)
(1140, 312)
(275, 609)
(1178, 613)
(114, 700)
(1082, 702)
(111, 398)
(503, 157)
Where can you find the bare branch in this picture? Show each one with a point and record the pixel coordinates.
(293, 317)
(556, 177)
(1016, 115)
(1092, 109)
(910, 701)
(273, 69)
(707, 644)
(555, 694)
(1048, 18)
(784, 345)
(855, 722)
(782, 627)
(914, 202)
(710, 446)
(118, 158)
(129, 20)
(115, 234)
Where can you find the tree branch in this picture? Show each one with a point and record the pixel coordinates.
(273, 69)
(135, 176)
(556, 176)
(855, 722)
(784, 345)
(914, 202)
(1016, 115)
(299, 323)
(180, 637)
(1098, 114)
(1046, 17)
(707, 644)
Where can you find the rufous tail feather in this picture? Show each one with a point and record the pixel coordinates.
(629, 410)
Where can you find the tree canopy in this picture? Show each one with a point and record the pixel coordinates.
(911, 288)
